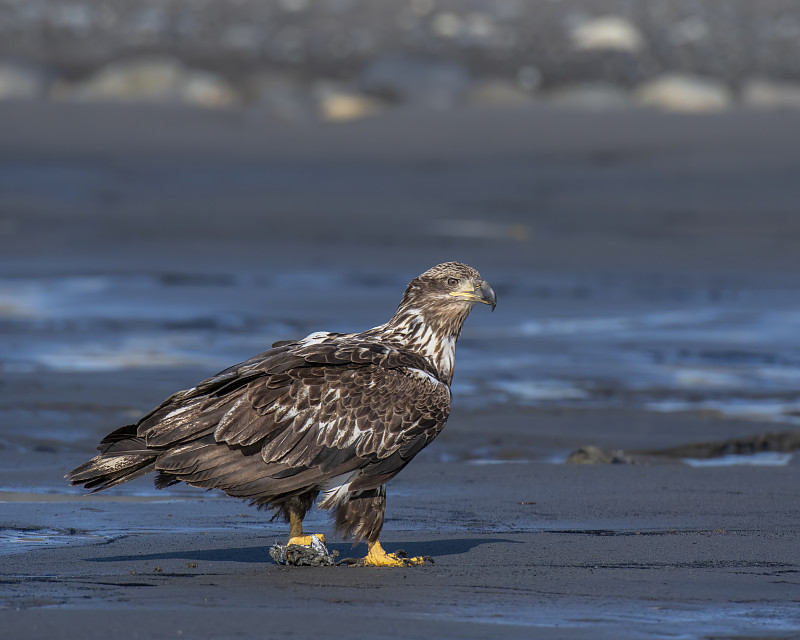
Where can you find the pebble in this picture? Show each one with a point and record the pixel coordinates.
(151, 79)
(609, 33)
(336, 103)
(204, 89)
(684, 93)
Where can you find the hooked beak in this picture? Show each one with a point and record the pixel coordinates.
(487, 294)
(481, 292)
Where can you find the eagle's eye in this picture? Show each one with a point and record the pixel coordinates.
(452, 282)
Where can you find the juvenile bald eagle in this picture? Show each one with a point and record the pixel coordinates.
(334, 415)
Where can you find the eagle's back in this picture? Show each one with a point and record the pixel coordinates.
(297, 415)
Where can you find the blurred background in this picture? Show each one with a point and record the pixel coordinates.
(343, 59)
(183, 182)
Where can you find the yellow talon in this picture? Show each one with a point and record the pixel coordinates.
(377, 557)
(306, 541)
(296, 532)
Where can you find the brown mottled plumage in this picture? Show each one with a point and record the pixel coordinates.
(332, 414)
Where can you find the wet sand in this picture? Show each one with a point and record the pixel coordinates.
(521, 547)
(524, 544)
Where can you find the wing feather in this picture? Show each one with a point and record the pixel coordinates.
(298, 414)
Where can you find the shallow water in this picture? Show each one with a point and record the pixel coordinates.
(726, 348)
(21, 540)
(667, 345)
(762, 458)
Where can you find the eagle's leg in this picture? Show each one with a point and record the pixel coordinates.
(301, 549)
(294, 510)
(361, 516)
(296, 531)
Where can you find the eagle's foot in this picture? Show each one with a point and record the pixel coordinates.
(304, 550)
(377, 557)
(306, 541)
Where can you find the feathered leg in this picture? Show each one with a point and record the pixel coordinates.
(361, 516)
(296, 532)
(294, 510)
(301, 549)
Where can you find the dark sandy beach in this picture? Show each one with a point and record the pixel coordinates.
(646, 270)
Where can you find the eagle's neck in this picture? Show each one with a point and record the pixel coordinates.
(429, 332)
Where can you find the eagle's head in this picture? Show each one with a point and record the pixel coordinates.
(450, 286)
(432, 313)
(443, 296)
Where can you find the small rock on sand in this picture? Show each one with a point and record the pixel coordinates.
(686, 93)
(609, 33)
(338, 103)
(151, 79)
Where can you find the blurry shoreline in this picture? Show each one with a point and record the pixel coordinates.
(301, 60)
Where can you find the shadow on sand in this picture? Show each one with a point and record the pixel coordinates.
(260, 554)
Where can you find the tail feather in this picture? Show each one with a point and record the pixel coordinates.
(123, 457)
